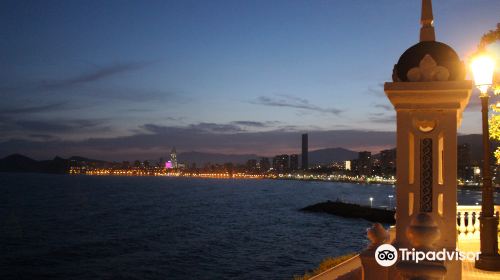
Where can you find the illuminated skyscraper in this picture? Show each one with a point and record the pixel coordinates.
(173, 158)
(305, 152)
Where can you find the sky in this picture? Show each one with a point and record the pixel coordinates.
(122, 79)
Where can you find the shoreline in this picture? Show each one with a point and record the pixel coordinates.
(284, 178)
(250, 177)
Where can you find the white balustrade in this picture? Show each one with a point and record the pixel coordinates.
(468, 225)
(468, 230)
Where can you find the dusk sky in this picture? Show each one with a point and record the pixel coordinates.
(131, 79)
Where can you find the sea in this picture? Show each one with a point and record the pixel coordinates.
(106, 227)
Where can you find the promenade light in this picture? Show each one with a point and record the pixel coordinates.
(483, 67)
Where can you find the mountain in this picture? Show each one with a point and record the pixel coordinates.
(201, 158)
(17, 162)
(83, 159)
(322, 156)
(20, 163)
(325, 156)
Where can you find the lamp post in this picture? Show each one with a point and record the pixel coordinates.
(483, 67)
(371, 201)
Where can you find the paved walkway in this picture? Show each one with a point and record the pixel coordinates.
(469, 272)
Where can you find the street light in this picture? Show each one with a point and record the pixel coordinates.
(483, 67)
(371, 201)
(390, 200)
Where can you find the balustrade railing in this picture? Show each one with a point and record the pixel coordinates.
(468, 230)
(468, 227)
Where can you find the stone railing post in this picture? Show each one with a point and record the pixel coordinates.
(371, 269)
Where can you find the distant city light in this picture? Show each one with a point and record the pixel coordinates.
(348, 165)
(168, 165)
(477, 170)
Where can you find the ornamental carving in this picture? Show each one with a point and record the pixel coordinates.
(428, 71)
(425, 125)
(426, 175)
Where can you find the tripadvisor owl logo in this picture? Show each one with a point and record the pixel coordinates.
(386, 255)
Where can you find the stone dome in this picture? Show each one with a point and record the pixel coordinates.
(442, 54)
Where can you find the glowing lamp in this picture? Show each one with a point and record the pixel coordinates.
(482, 68)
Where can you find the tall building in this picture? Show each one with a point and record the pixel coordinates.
(365, 163)
(294, 162)
(464, 163)
(251, 165)
(173, 158)
(305, 152)
(388, 162)
(264, 164)
(281, 163)
(347, 165)
(354, 166)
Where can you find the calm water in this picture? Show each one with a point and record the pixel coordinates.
(81, 227)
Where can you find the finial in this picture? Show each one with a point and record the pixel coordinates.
(427, 21)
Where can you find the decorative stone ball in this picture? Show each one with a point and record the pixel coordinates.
(444, 56)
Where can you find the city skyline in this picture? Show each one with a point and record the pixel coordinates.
(223, 77)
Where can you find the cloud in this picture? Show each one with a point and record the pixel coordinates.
(38, 127)
(377, 90)
(136, 95)
(98, 74)
(199, 128)
(384, 106)
(382, 118)
(255, 124)
(211, 128)
(214, 127)
(42, 136)
(155, 141)
(177, 119)
(34, 109)
(293, 102)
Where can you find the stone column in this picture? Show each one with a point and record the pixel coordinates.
(428, 115)
(429, 93)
